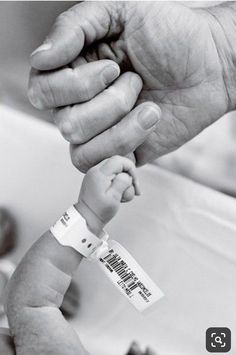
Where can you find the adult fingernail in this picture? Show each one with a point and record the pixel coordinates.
(110, 73)
(34, 99)
(44, 47)
(149, 116)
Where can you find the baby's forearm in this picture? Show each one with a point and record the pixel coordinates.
(44, 273)
(34, 295)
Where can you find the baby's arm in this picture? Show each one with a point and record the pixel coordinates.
(37, 288)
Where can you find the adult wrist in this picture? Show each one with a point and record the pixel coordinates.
(222, 23)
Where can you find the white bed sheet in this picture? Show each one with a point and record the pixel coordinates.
(182, 233)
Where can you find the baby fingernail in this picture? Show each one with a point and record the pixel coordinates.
(110, 73)
(44, 47)
(149, 116)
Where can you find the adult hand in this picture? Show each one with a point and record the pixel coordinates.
(184, 57)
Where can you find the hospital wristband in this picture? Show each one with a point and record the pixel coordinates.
(112, 258)
(71, 230)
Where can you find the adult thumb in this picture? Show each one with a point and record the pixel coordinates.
(75, 28)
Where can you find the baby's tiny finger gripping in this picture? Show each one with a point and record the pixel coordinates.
(120, 184)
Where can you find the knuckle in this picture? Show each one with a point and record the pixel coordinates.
(64, 123)
(71, 126)
(65, 129)
(125, 104)
(81, 133)
(85, 94)
(121, 99)
(84, 87)
(64, 18)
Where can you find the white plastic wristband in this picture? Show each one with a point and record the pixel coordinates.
(114, 260)
(72, 230)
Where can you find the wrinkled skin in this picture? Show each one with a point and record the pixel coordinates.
(171, 47)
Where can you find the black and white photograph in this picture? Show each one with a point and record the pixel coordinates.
(117, 177)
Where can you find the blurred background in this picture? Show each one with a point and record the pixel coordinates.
(23, 26)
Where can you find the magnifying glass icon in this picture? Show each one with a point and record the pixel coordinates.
(218, 340)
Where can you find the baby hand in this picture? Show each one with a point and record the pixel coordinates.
(104, 187)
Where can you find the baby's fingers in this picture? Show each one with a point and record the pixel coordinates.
(119, 185)
(129, 194)
(117, 165)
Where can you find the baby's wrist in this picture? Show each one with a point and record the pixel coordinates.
(94, 223)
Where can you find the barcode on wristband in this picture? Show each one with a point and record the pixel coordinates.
(128, 276)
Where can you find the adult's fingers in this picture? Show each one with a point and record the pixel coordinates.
(70, 85)
(121, 139)
(80, 25)
(161, 141)
(79, 123)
